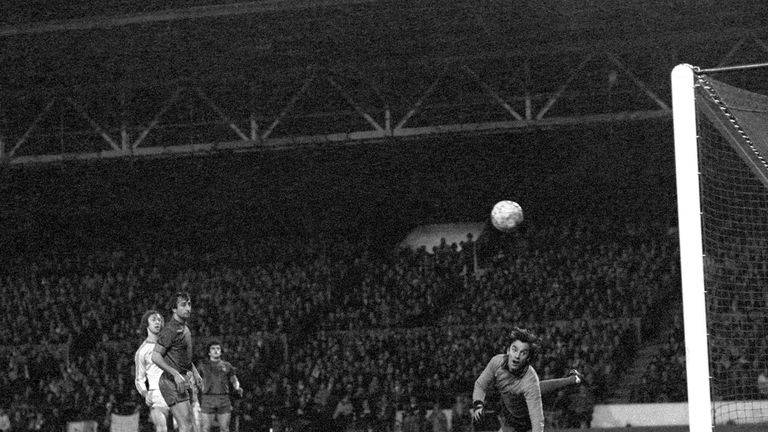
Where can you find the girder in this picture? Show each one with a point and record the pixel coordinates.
(272, 74)
(187, 13)
(324, 107)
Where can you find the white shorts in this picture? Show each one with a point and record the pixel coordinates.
(155, 399)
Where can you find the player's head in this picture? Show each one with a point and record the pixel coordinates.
(523, 349)
(151, 322)
(214, 350)
(181, 305)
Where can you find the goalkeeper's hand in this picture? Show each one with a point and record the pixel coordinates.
(477, 412)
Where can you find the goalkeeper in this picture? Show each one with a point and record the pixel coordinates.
(512, 375)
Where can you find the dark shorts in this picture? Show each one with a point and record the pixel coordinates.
(168, 389)
(215, 404)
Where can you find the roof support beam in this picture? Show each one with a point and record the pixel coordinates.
(440, 99)
(213, 11)
(352, 138)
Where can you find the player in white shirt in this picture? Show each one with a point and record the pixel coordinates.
(148, 373)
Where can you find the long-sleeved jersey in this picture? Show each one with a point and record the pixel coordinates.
(520, 394)
(146, 369)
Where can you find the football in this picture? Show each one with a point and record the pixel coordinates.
(506, 215)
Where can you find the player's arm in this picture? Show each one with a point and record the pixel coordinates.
(198, 378)
(482, 384)
(235, 383)
(203, 372)
(532, 394)
(141, 375)
(158, 357)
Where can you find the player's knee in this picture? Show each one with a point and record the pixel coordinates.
(224, 423)
(187, 420)
(160, 420)
(161, 425)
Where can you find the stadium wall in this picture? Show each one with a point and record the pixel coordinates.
(673, 414)
(654, 415)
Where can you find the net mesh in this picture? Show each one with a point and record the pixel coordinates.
(734, 201)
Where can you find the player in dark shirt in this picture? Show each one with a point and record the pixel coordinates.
(173, 354)
(219, 380)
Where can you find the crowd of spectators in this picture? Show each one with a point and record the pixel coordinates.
(737, 346)
(664, 379)
(337, 332)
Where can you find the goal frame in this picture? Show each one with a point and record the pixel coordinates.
(700, 414)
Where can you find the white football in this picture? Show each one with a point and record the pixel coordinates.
(506, 215)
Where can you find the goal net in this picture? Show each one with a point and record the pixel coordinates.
(721, 147)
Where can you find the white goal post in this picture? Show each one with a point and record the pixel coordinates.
(691, 248)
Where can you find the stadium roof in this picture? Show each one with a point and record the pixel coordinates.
(147, 77)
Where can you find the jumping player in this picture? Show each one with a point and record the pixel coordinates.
(218, 378)
(148, 373)
(173, 354)
(518, 384)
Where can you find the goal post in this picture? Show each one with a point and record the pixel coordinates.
(721, 163)
(691, 248)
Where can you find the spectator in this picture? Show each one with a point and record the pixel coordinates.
(582, 405)
(344, 413)
(36, 422)
(762, 383)
(385, 414)
(461, 418)
(5, 421)
(437, 419)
